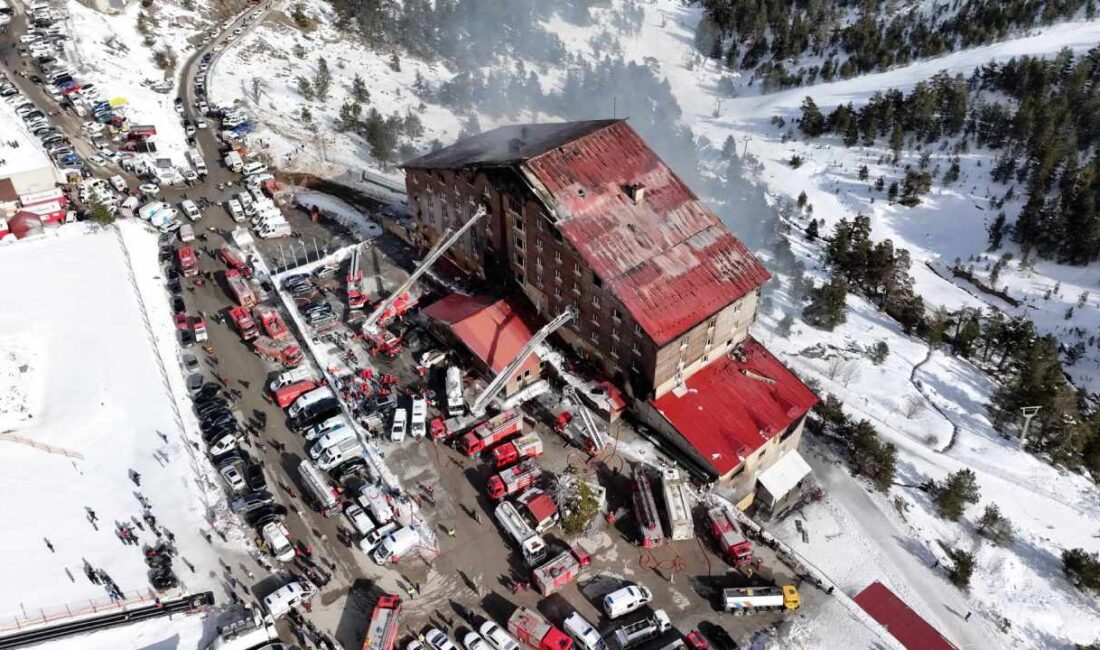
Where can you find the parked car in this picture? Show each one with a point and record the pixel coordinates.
(251, 501)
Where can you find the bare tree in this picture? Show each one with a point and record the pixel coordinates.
(914, 406)
(835, 367)
(848, 371)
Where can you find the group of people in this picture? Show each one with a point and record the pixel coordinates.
(100, 577)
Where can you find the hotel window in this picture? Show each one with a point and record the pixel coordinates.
(596, 301)
(415, 178)
(576, 268)
(615, 334)
(576, 289)
(557, 256)
(519, 258)
(487, 193)
(636, 350)
(512, 203)
(616, 315)
(519, 242)
(637, 331)
(517, 222)
(557, 276)
(614, 353)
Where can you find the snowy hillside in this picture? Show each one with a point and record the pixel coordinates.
(894, 537)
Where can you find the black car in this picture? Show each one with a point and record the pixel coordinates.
(35, 79)
(382, 402)
(718, 636)
(354, 467)
(322, 412)
(212, 435)
(187, 339)
(217, 403)
(175, 287)
(171, 273)
(254, 476)
(230, 457)
(216, 419)
(265, 515)
(178, 305)
(207, 393)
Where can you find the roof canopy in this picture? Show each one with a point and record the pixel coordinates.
(494, 331)
(732, 407)
(784, 475)
(900, 620)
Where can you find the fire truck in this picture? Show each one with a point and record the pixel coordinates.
(496, 429)
(677, 505)
(273, 323)
(235, 259)
(381, 341)
(512, 480)
(242, 320)
(354, 282)
(189, 266)
(288, 354)
(533, 631)
(525, 446)
(382, 630)
(532, 546)
(645, 508)
(729, 536)
(243, 293)
(750, 600)
(561, 570)
(404, 303)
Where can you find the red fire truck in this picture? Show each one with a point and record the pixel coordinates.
(729, 536)
(496, 429)
(561, 570)
(645, 508)
(526, 446)
(242, 320)
(241, 291)
(382, 630)
(189, 266)
(382, 341)
(354, 282)
(404, 303)
(273, 323)
(235, 259)
(533, 631)
(288, 354)
(512, 480)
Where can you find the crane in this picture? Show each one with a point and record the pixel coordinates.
(502, 377)
(446, 240)
(599, 441)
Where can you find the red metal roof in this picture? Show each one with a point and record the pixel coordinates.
(900, 620)
(667, 257)
(735, 405)
(495, 331)
(542, 507)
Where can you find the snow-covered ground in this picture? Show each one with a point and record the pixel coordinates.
(856, 536)
(181, 631)
(92, 391)
(109, 51)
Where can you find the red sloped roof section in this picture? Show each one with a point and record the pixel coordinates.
(667, 257)
(732, 407)
(495, 331)
(900, 620)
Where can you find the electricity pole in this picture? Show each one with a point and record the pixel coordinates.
(1028, 412)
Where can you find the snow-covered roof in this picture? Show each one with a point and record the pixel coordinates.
(784, 475)
(19, 151)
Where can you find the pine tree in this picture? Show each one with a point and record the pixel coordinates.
(962, 568)
(827, 306)
(1082, 567)
(305, 89)
(879, 353)
(953, 495)
(864, 173)
(812, 121)
(811, 230)
(359, 90)
(994, 526)
(997, 232)
(395, 62)
(322, 80)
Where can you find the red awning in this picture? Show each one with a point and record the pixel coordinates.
(494, 331)
(900, 620)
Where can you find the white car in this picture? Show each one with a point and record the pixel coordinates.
(232, 476)
(473, 641)
(438, 640)
(497, 637)
(149, 188)
(96, 160)
(201, 123)
(432, 357)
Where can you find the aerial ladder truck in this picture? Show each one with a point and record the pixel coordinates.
(354, 282)
(373, 331)
(587, 432)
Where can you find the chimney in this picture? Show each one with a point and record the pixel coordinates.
(636, 192)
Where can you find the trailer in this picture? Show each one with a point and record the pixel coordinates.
(645, 509)
(730, 538)
(525, 446)
(677, 505)
(541, 509)
(532, 546)
(242, 293)
(512, 480)
(453, 386)
(496, 429)
(242, 320)
(189, 266)
(235, 259)
(324, 496)
(751, 600)
(535, 632)
(383, 626)
(641, 631)
(561, 570)
(273, 323)
(286, 353)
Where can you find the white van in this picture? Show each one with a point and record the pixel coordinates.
(268, 219)
(418, 423)
(372, 498)
(330, 439)
(278, 541)
(245, 199)
(586, 636)
(332, 424)
(292, 376)
(396, 544)
(119, 183)
(293, 594)
(400, 424)
(623, 601)
(275, 230)
(234, 209)
(371, 540)
(190, 209)
(186, 233)
(309, 399)
(254, 167)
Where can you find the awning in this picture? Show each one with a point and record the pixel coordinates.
(784, 475)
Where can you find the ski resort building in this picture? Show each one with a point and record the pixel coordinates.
(585, 214)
